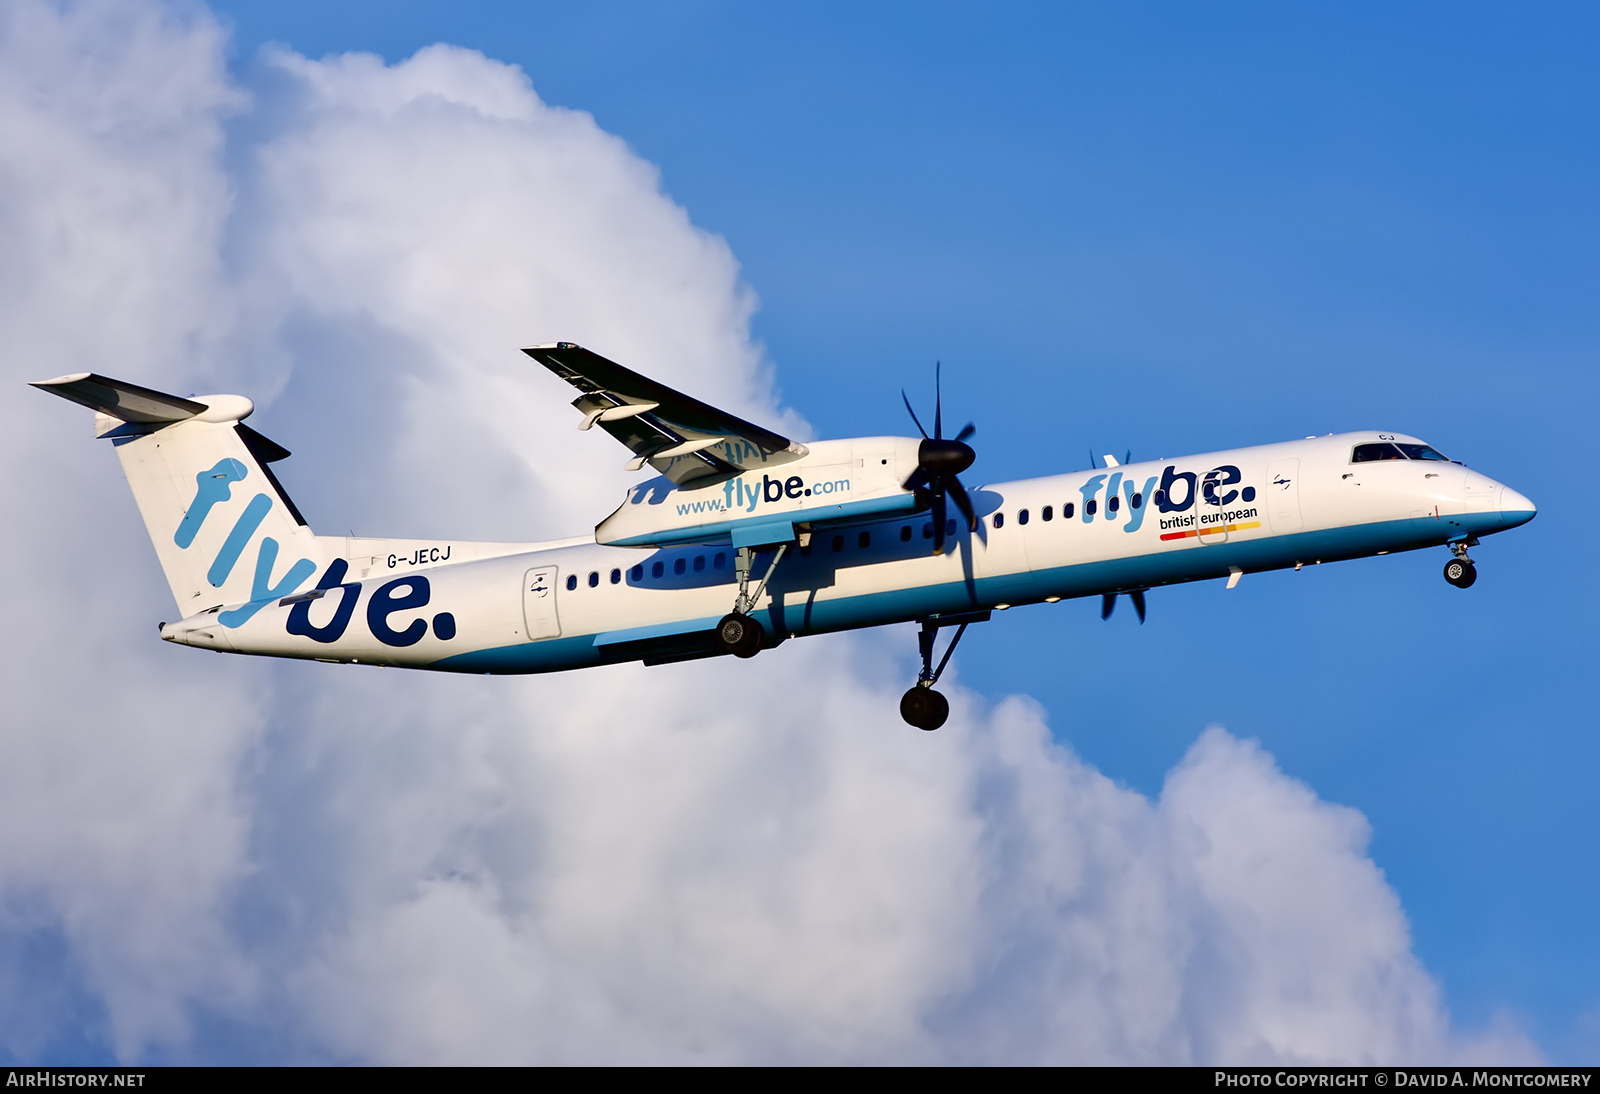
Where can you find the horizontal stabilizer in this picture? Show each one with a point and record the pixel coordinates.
(120, 399)
(224, 529)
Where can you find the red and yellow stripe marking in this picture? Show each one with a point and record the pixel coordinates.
(1211, 531)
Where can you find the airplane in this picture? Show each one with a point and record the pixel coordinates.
(744, 539)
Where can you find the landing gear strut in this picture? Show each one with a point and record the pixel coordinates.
(1460, 571)
(738, 634)
(921, 706)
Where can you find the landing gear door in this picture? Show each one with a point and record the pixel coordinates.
(539, 603)
(1283, 496)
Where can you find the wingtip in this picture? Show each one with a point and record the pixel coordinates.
(69, 378)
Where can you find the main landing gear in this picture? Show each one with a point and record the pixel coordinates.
(1460, 571)
(738, 634)
(922, 706)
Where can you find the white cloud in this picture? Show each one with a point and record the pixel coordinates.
(716, 861)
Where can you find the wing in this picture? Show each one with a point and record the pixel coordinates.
(686, 440)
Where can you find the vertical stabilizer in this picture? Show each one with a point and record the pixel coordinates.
(223, 528)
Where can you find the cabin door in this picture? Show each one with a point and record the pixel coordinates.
(539, 603)
(1283, 496)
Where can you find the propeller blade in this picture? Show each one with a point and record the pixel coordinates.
(1137, 596)
(963, 503)
(1108, 604)
(920, 479)
(937, 405)
(938, 523)
(966, 431)
(913, 414)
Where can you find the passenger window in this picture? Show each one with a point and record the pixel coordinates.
(927, 530)
(699, 563)
(838, 543)
(1090, 506)
(1113, 503)
(950, 527)
(680, 565)
(1048, 513)
(864, 539)
(616, 577)
(1022, 516)
(1369, 453)
(1067, 510)
(655, 570)
(905, 533)
(999, 520)
(719, 561)
(637, 573)
(1138, 499)
(572, 582)
(594, 579)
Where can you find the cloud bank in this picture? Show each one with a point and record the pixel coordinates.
(206, 858)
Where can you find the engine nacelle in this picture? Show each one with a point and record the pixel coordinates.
(836, 482)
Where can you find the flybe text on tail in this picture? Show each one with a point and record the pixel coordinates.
(214, 487)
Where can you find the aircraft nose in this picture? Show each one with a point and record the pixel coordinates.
(1515, 509)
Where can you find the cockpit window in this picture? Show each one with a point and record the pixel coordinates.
(1423, 452)
(1368, 453)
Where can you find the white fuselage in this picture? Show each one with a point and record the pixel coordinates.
(547, 607)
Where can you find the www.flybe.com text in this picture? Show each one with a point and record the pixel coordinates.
(740, 495)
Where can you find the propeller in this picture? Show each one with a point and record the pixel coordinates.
(1108, 603)
(939, 461)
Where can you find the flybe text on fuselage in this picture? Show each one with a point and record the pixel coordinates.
(1185, 499)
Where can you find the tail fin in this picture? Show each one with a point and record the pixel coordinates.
(222, 525)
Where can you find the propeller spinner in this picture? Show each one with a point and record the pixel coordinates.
(939, 461)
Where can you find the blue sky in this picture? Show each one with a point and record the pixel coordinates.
(1170, 228)
(1160, 229)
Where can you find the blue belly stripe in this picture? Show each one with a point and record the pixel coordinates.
(1171, 566)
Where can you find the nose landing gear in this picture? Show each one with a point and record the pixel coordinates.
(921, 706)
(1460, 571)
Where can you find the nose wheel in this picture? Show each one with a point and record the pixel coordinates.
(1460, 571)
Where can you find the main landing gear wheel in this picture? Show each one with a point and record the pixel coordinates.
(924, 708)
(739, 635)
(1460, 572)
